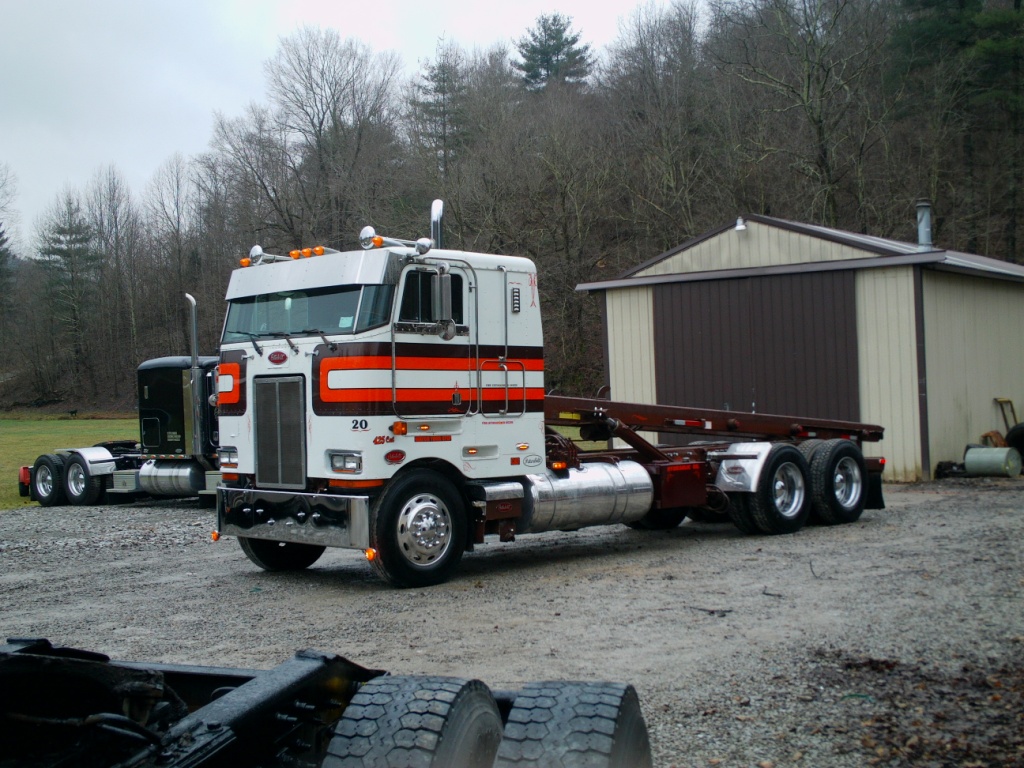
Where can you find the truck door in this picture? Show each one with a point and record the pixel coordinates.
(432, 375)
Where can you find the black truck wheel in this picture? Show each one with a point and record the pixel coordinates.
(739, 513)
(660, 519)
(563, 724)
(433, 722)
(418, 529)
(280, 555)
(838, 476)
(48, 480)
(80, 486)
(780, 502)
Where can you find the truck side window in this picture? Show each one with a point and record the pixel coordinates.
(417, 305)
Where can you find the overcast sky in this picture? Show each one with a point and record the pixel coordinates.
(88, 84)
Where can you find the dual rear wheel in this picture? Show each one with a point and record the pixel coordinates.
(821, 481)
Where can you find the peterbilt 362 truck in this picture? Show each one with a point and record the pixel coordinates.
(392, 400)
(175, 455)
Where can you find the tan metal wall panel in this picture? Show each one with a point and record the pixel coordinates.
(631, 344)
(972, 335)
(887, 353)
(760, 245)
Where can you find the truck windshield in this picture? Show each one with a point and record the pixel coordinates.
(314, 311)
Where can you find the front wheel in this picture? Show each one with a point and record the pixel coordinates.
(418, 529)
(280, 555)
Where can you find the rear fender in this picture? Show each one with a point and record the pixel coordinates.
(741, 466)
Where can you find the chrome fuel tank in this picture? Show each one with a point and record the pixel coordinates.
(171, 478)
(596, 494)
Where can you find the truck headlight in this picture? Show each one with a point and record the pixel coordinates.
(227, 455)
(350, 462)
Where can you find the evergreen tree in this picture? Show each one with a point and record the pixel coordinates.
(439, 107)
(73, 264)
(551, 51)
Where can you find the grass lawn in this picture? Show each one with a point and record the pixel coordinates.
(22, 441)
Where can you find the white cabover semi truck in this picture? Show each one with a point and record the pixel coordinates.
(392, 400)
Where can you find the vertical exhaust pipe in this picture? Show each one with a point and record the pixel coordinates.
(196, 386)
(437, 223)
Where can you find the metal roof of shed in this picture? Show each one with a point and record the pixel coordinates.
(884, 253)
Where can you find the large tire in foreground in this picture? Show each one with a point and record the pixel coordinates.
(48, 480)
(780, 503)
(430, 722)
(838, 482)
(280, 555)
(80, 486)
(418, 529)
(563, 724)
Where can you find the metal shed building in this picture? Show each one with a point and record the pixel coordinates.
(775, 316)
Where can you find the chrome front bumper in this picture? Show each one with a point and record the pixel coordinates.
(303, 518)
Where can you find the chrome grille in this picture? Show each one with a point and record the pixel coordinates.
(280, 432)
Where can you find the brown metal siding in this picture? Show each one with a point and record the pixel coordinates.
(775, 344)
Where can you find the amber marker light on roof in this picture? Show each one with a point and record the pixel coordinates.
(318, 250)
(294, 254)
(245, 262)
(378, 241)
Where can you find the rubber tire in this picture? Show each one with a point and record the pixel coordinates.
(423, 487)
(763, 507)
(1015, 437)
(660, 519)
(280, 555)
(562, 724)
(808, 448)
(80, 487)
(48, 485)
(739, 513)
(827, 507)
(417, 721)
(699, 515)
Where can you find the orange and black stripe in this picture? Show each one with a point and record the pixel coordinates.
(380, 400)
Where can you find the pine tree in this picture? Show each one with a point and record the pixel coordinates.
(73, 265)
(440, 123)
(551, 51)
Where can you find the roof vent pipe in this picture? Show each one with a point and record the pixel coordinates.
(924, 225)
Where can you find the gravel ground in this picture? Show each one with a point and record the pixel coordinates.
(898, 640)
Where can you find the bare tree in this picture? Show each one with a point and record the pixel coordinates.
(815, 61)
(117, 225)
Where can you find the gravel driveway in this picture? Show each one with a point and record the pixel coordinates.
(898, 640)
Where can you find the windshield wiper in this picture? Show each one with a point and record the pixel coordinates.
(331, 345)
(286, 337)
(252, 338)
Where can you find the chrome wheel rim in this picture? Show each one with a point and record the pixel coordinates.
(788, 490)
(44, 480)
(424, 530)
(847, 484)
(76, 479)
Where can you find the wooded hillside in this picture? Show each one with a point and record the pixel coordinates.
(836, 112)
